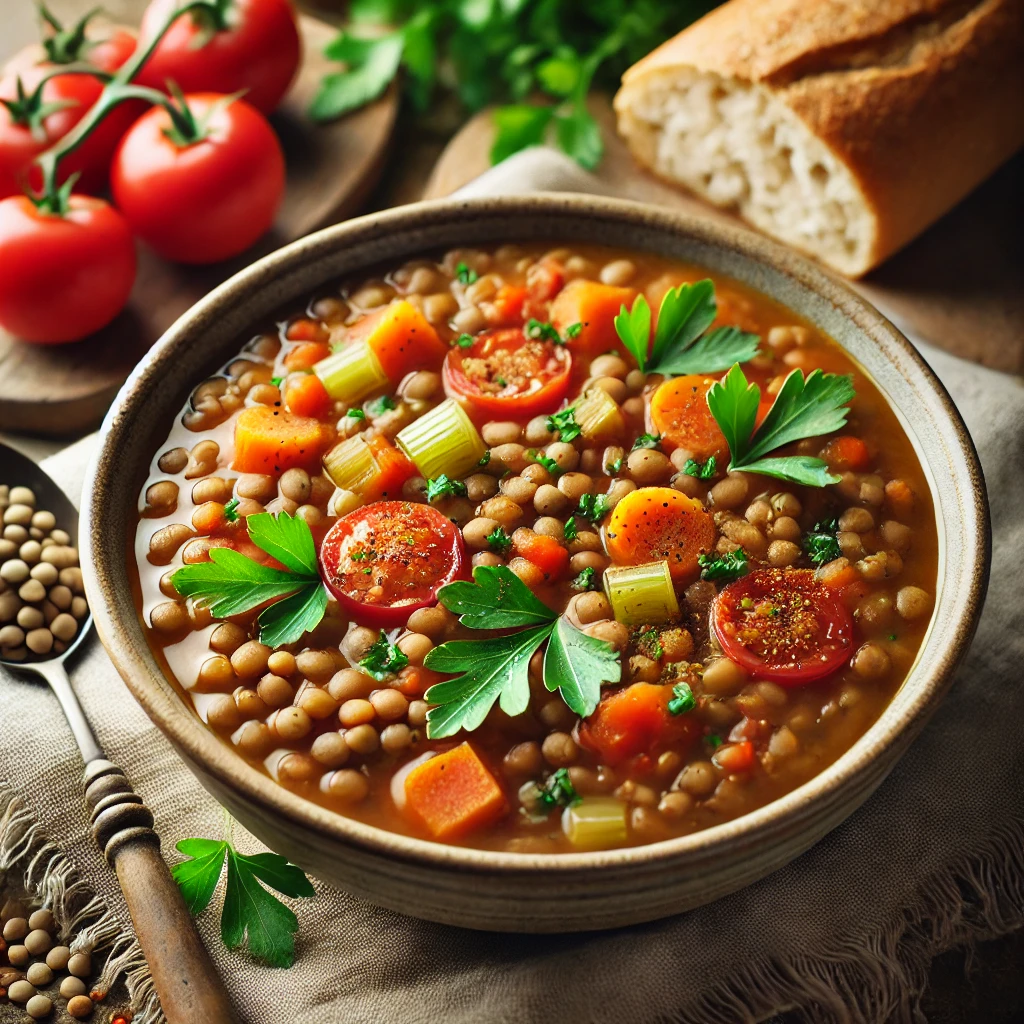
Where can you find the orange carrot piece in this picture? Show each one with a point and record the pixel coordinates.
(401, 338)
(735, 757)
(454, 793)
(838, 575)
(680, 413)
(507, 306)
(393, 469)
(594, 306)
(269, 440)
(308, 397)
(307, 330)
(847, 453)
(899, 499)
(306, 355)
(653, 523)
(543, 551)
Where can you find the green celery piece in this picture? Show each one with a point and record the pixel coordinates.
(231, 584)
(733, 402)
(286, 538)
(496, 599)
(685, 314)
(485, 671)
(577, 665)
(633, 327)
(285, 622)
(717, 350)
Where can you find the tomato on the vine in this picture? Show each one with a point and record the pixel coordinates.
(258, 51)
(65, 274)
(205, 198)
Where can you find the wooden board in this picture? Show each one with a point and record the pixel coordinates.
(960, 285)
(61, 390)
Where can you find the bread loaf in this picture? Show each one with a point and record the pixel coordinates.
(843, 127)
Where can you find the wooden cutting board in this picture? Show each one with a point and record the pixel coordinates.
(61, 390)
(960, 285)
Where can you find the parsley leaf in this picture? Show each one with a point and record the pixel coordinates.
(730, 566)
(465, 340)
(647, 441)
(485, 458)
(576, 665)
(612, 468)
(551, 465)
(250, 911)
(570, 531)
(539, 331)
(565, 423)
(383, 659)
(682, 700)
(466, 274)
(593, 507)
(277, 381)
(517, 127)
(496, 599)
(701, 472)
(442, 487)
(573, 330)
(230, 583)
(633, 326)
(286, 538)
(231, 511)
(585, 580)
(498, 540)
(803, 408)
(356, 414)
(822, 544)
(558, 790)
(379, 406)
(371, 67)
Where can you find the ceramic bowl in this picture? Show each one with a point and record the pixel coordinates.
(522, 892)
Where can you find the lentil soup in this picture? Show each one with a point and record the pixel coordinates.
(530, 606)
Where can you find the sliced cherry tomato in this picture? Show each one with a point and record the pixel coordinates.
(783, 625)
(206, 201)
(634, 722)
(63, 276)
(257, 54)
(505, 373)
(385, 560)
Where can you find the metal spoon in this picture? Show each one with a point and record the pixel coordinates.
(186, 981)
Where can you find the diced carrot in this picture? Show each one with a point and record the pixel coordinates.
(847, 453)
(306, 355)
(507, 306)
(544, 280)
(454, 793)
(735, 757)
(838, 574)
(307, 330)
(393, 470)
(853, 593)
(899, 499)
(307, 396)
(594, 306)
(401, 338)
(269, 440)
(543, 551)
(208, 517)
(636, 721)
(680, 414)
(653, 523)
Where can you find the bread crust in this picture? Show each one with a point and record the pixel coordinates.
(920, 99)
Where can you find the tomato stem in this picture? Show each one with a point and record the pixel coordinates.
(66, 45)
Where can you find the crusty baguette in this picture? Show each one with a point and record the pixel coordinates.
(843, 127)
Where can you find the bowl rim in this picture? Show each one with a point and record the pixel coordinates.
(207, 752)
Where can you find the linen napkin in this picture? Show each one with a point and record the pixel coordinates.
(846, 932)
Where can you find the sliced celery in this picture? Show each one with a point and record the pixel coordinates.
(351, 374)
(595, 823)
(599, 416)
(443, 440)
(351, 465)
(641, 594)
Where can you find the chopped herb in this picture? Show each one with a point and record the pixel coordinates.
(893, 636)
(551, 465)
(383, 659)
(540, 331)
(442, 487)
(361, 556)
(558, 790)
(570, 531)
(231, 511)
(802, 408)
(465, 340)
(573, 331)
(730, 566)
(378, 406)
(649, 643)
(714, 741)
(593, 507)
(356, 414)
(485, 458)
(277, 381)
(498, 540)
(612, 468)
(565, 423)
(701, 472)
(466, 274)
(585, 580)
(501, 382)
(647, 441)
(682, 700)
(822, 542)
(250, 911)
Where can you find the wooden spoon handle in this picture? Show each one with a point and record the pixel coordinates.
(186, 981)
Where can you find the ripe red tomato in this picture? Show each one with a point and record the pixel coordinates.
(505, 373)
(64, 277)
(207, 201)
(783, 625)
(259, 52)
(385, 560)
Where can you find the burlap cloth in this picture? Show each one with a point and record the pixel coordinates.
(846, 932)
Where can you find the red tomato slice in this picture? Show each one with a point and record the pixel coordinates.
(385, 560)
(783, 625)
(506, 373)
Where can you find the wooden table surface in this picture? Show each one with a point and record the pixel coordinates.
(985, 986)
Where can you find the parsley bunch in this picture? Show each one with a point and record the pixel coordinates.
(501, 51)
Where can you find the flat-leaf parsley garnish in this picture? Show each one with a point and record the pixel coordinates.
(702, 471)
(250, 910)
(443, 487)
(802, 408)
(730, 566)
(466, 274)
(231, 583)
(538, 330)
(383, 658)
(496, 669)
(498, 540)
(557, 790)
(593, 507)
(379, 406)
(682, 700)
(647, 441)
(822, 544)
(565, 423)
(682, 342)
